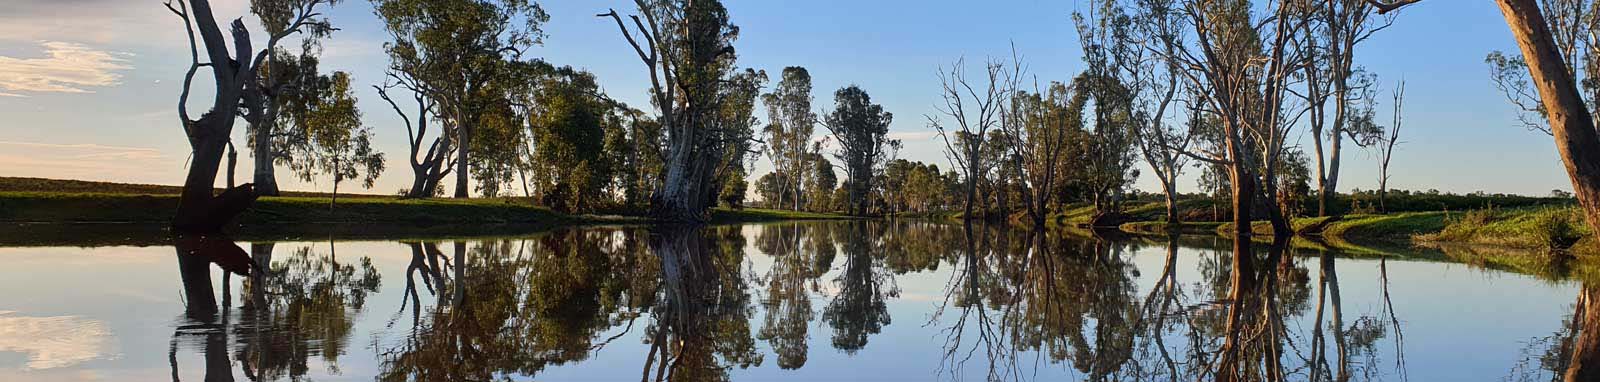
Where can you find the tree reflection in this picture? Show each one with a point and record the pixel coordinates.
(1016, 302)
(859, 310)
(700, 327)
(515, 306)
(787, 302)
(303, 307)
(294, 308)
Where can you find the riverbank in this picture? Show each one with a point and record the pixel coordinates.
(1528, 229)
(40, 218)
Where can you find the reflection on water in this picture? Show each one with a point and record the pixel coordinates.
(842, 300)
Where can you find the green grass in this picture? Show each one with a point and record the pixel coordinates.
(54, 207)
(1546, 228)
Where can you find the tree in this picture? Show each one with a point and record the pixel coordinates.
(1156, 80)
(271, 85)
(974, 111)
(861, 129)
(736, 118)
(1386, 150)
(1040, 127)
(687, 47)
(566, 127)
(234, 74)
(773, 189)
(1549, 51)
(1105, 150)
(341, 144)
(1331, 74)
(734, 188)
(819, 186)
(790, 124)
(449, 52)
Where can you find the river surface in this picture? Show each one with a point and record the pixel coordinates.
(771, 302)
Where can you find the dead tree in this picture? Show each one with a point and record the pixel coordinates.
(1386, 152)
(974, 111)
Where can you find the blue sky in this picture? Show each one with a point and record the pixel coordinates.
(88, 87)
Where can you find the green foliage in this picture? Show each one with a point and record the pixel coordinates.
(342, 144)
(789, 129)
(861, 129)
(568, 126)
(734, 188)
(463, 56)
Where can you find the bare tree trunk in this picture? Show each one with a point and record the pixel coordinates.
(462, 143)
(1571, 123)
(265, 176)
(333, 198)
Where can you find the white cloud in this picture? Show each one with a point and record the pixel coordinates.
(65, 68)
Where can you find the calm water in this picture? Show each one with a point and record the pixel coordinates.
(798, 301)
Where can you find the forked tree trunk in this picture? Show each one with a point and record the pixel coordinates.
(1572, 125)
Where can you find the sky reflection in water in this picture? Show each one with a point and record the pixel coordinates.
(794, 301)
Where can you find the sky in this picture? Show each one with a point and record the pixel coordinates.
(88, 88)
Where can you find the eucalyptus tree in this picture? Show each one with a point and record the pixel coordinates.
(1241, 63)
(790, 125)
(1041, 126)
(820, 183)
(450, 51)
(269, 145)
(1107, 51)
(1157, 82)
(341, 146)
(1558, 53)
(1105, 148)
(1330, 74)
(736, 118)
(234, 71)
(566, 127)
(687, 48)
(861, 129)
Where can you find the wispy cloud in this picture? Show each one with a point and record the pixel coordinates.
(65, 68)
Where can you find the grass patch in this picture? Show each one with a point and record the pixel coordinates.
(1542, 228)
(1391, 227)
(1162, 227)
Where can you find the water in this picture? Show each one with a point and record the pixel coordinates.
(776, 302)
